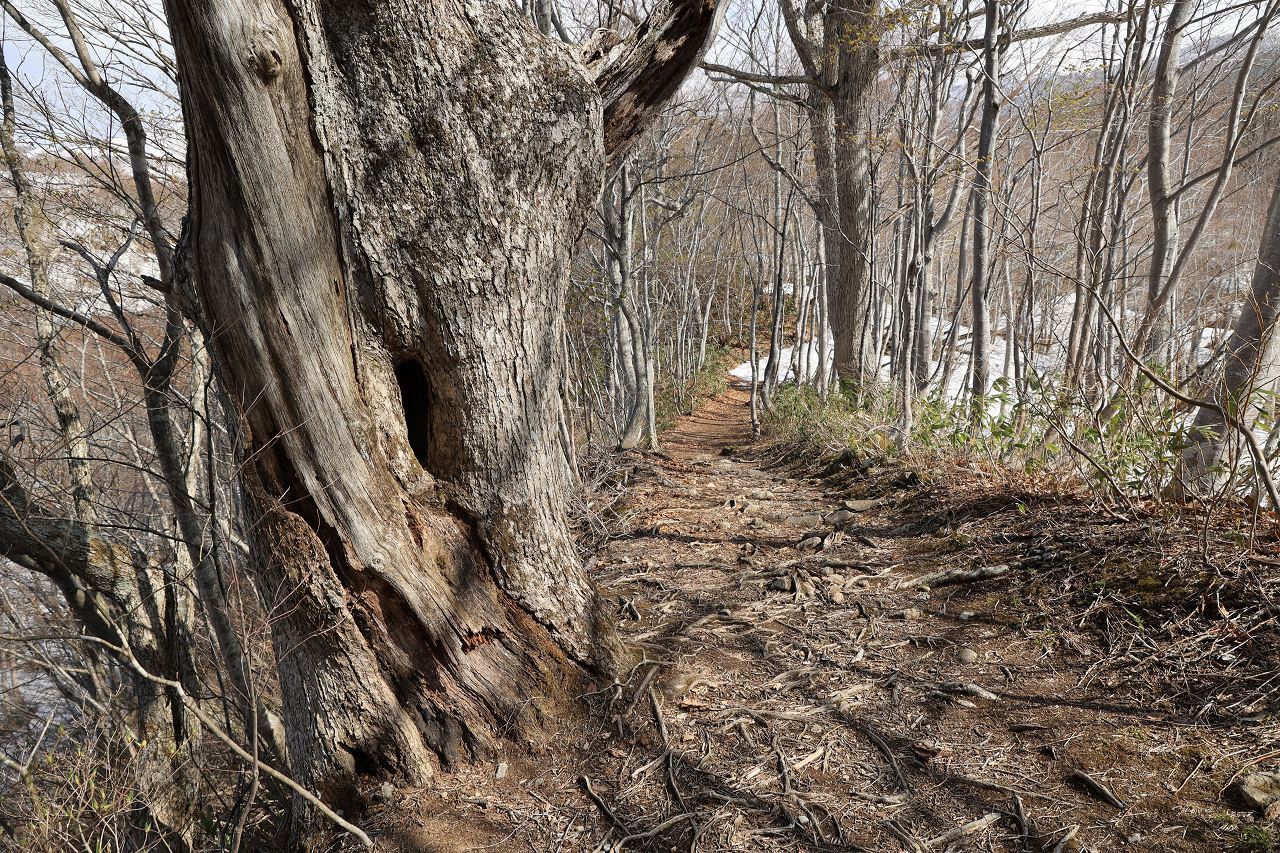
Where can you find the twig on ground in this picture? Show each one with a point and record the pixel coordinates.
(872, 735)
(603, 807)
(1024, 825)
(961, 831)
(968, 689)
(1093, 786)
(649, 833)
(908, 841)
(954, 576)
(1061, 846)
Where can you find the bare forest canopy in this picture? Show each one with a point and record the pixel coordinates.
(321, 322)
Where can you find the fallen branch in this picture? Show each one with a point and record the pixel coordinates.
(908, 841)
(640, 836)
(961, 831)
(968, 689)
(1093, 786)
(954, 576)
(604, 809)
(872, 735)
(1061, 846)
(1024, 825)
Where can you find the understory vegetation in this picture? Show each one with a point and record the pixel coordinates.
(1121, 456)
(676, 398)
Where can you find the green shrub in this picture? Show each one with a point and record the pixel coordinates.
(1254, 839)
(1130, 447)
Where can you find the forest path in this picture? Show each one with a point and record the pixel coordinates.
(803, 688)
(721, 423)
(853, 659)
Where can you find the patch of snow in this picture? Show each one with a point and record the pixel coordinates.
(808, 358)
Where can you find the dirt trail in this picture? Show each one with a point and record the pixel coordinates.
(802, 688)
(718, 424)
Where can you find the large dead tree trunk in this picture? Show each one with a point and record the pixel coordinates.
(383, 201)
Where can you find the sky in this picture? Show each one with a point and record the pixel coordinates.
(152, 91)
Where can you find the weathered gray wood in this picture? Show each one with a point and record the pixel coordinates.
(383, 201)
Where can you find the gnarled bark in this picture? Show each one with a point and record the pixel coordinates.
(384, 198)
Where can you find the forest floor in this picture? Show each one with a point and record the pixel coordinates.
(869, 657)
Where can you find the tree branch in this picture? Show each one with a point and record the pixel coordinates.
(1212, 173)
(62, 549)
(1005, 39)
(131, 660)
(68, 314)
(638, 74)
(760, 89)
(765, 79)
